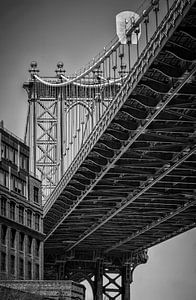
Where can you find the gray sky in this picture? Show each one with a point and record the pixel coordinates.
(73, 31)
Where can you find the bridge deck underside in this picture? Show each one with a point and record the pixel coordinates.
(144, 164)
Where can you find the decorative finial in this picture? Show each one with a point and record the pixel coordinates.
(33, 64)
(60, 70)
(33, 70)
(60, 65)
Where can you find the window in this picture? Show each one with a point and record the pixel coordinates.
(21, 214)
(11, 182)
(37, 244)
(37, 219)
(29, 244)
(23, 162)
(1, 177)
(36, 194)
(4, 151)
(12, 264)
(29, 218)
(12, 210)
(24, 188)
(21, 241)
(21, 267)
(11, 154)
(16, 157)
(12, 238)
(29, 270)
(3, 234)
(20, 160)
(3, 206)
(18, 185)
(36, 271)
(3, 261)
(4, 178)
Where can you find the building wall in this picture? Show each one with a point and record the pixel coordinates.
(49, 289)
(21, 216)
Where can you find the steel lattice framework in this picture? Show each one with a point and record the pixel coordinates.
(115, 144)
(59, 121)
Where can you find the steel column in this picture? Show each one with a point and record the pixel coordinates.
(98, 283)
(60, 118)
(126, 279)
(33, 119)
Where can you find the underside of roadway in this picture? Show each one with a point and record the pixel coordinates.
(136, 187)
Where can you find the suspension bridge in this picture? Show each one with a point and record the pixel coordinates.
(114, 146)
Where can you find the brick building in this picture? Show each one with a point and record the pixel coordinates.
(21, 222)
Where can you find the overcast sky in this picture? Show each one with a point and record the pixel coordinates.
(74, 31)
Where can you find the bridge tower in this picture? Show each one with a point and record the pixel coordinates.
(44, 132)
(59, 120)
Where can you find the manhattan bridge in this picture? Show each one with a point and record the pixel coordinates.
(114, 147)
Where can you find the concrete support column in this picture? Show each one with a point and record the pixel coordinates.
(126, 275)
(98, 283)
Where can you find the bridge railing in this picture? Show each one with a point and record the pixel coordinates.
(151, 13)
(71, 112)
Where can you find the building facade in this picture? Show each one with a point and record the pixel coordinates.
(21, 218)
